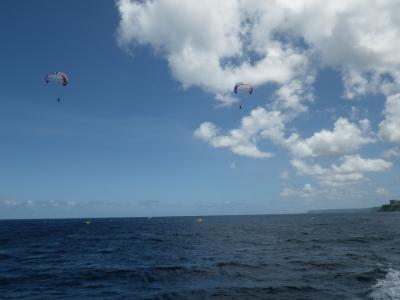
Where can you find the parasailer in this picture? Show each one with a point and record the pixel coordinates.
(59, 78)
(240, 86)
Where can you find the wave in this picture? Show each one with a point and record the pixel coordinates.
(236, 264)
(5, 256)
(143, 275)
(387, 288)
(269, 292)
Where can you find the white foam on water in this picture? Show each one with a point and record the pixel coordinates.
(387, 288)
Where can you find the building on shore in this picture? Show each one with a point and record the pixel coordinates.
(394, 205)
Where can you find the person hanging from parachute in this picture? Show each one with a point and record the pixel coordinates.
(57, 78)
(240, 86)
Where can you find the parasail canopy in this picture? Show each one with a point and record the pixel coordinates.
(243, 86)
(57, 77)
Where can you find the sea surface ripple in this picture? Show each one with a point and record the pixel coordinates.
(305, 256)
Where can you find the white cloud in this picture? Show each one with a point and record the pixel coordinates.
(220, 42)
(360, 36)
(294, 95)
(237, 141)
(355, 163)
(345, 137)
(225, 99)
(209, 45)
(336, 182)
(307, 192)
(207, 131)
(350, 171)
(260, 124)
(389, 128)
(307, 169)
(392, 152)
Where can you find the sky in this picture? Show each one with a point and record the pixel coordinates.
(149, 124)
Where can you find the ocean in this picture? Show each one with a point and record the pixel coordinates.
(304, 256)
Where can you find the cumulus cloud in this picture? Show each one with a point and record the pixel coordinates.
(350, 171)
(212, 45)
(294, 95)
(360, 37)
(355, 163)
(308, 169)
(307, 191)
(337, 181)
(220, 42)
(260, 124)
(345, 137)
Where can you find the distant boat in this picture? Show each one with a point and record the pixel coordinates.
(87, 222)
(199, 220)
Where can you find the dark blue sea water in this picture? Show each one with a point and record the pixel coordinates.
(310, 256)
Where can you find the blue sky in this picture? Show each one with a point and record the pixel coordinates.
(149, 126)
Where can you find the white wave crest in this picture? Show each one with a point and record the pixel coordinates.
(387, 288)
